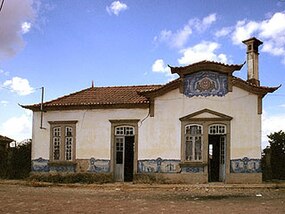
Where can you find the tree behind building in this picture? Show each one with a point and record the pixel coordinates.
(273, 160)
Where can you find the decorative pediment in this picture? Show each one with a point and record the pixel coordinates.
(205, 115)
(206, 78)
(205, 83)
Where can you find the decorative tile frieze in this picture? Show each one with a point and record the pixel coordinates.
(40, 165)
(192, 169)
(99, 165)
(62, 166)
(158, 165)
(245, 165)
(206, 83)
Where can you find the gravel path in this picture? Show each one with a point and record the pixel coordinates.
(22, 197)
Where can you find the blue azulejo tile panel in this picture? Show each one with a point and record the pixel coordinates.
(40, 165)
(158, 165)
(245, 165)
(99, 165)
(206, 83)
(192, 169)
(62, 168)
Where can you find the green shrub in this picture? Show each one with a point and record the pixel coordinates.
(15, 162)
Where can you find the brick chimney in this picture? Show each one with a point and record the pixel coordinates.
(252, 60)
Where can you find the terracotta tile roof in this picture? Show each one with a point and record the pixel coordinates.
(122, 96)
(163, 89)
(128, 96)
(140, 96)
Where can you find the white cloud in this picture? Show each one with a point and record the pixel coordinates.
(203, 51)
(4, 102)
(179, 38)
(160, 67)
(5, 73)
(18, 128)
(12, 16)
(26, 26)
(116, 7)
(206, 22)
(244, 30)
(271, 124)
(271, 31)
(272, 27)
(225, 31)
(271, 48)
(19, 85)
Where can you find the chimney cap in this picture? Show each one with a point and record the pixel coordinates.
(253, 40)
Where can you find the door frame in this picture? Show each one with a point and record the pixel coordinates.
(206, 118)
(115, 123)
(221, 167)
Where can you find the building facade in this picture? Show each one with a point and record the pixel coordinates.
(205, 126)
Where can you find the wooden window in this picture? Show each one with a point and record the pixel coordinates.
(120, 133)
(217, 129)
(68, 143)
(56, 141)
(62, 141)
(119, 150)
(125, 130)
(193, 142)
(222, 149)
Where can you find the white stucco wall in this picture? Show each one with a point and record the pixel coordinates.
(93, 130)
(164, 128)
(159, 136)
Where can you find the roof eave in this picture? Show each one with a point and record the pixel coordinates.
(164, 89)
(6, 139)
(36, 108)
(259, 90)
(205, 65)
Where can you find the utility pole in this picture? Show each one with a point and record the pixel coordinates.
(42, 107)
(1, 6)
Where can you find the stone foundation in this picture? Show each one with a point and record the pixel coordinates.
(244, 178)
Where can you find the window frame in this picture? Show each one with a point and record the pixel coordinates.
(123, 123)
(120, 133)
(190, 140)
(66, 135)
(124, 130)
(217, 129)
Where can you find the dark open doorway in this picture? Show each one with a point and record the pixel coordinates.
(216, 166)
(129, 158)
(214, 158)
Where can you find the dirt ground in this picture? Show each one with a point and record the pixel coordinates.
(23, 197)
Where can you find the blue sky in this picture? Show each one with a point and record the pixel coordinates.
(63, 45)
